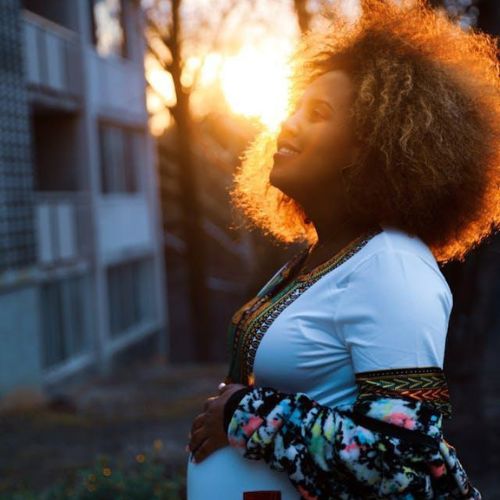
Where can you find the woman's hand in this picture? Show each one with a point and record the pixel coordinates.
(207, 433)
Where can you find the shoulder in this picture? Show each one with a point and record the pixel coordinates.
(394, 306)
(397, 287)
(396, 266)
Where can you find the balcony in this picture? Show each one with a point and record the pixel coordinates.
(124, 226)
(62, 231)
(52, 57)
(117, 87)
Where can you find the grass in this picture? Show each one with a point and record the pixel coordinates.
(145, 479)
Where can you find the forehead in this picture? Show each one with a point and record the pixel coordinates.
(334, 86)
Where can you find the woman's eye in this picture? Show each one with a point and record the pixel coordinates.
(316, 114)
(313, 113)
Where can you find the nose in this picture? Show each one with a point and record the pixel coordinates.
(291, 125)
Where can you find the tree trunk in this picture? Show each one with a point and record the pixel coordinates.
(191, 203)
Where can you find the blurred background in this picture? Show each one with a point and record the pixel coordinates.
(121, 258)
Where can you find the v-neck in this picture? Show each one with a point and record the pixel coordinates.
(249, 324)
(288, 275)
(345, 251)
(287, 270)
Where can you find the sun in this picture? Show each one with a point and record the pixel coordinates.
(255, 83)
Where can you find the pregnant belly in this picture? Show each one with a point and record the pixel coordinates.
(225, 474)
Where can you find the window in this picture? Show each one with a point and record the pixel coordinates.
(130, 289)
(66, 319)
(108, 27)
(120, 150)
(56, 150)
(57, 11)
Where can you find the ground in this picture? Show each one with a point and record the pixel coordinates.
(144, 410)
(148, 409)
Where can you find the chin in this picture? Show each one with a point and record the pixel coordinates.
(282, 182)
(277, 182)
(278, 179)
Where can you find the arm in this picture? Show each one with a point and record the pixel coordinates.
(389, 441)
(379, 446)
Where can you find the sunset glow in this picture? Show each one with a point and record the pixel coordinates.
(255, 84)
(248, 74)
(160, 95)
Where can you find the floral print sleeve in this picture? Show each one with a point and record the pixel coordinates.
(387, 444)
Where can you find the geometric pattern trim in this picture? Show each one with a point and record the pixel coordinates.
(427, 384)
(249, 323)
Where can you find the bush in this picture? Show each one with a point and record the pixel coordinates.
(144, 480)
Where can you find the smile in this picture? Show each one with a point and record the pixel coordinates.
(284, 154)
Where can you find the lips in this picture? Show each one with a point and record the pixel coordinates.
(286, 151)
(284, 155)
(288, 146)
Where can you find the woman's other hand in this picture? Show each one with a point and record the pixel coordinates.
(207, 432)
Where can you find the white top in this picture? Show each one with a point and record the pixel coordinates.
(386, 306)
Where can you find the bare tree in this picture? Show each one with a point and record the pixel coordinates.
(164, 43)
(303, 15)
(168, 41)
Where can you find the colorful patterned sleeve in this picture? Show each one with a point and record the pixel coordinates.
(377, 447)
(388, 443)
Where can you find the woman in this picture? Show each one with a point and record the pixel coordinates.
(386, 165)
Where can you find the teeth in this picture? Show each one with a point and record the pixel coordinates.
(287, 151)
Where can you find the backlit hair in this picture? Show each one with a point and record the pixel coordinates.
(426, 110)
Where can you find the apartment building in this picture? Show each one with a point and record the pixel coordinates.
(81, 259)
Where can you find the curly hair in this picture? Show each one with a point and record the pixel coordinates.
(426, 112)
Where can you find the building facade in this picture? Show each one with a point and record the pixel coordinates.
(81, 259)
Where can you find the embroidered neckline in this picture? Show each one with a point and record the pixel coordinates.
(281, 276)
(333, 261)
(249, 324)
(319, 269)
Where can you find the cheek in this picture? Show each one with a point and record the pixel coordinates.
(328, 153)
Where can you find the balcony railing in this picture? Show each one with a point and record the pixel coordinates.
(52, 56)
(62, 227)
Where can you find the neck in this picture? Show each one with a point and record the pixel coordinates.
(336, 231)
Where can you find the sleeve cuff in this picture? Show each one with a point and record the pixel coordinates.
(232, 403)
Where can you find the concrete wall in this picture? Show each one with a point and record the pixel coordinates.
(55, 90)
(20, 365)
(17, 245)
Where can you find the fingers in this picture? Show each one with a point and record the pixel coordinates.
(224, 387)
(200, 430)
(204, 450)
(197, 439)
(198, 450)
(197, 422)
(208, 402)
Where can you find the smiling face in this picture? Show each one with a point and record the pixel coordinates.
(321, 133)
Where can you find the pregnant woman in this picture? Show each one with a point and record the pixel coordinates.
(386, 165)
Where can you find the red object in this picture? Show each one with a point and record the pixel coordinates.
(262, 495)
